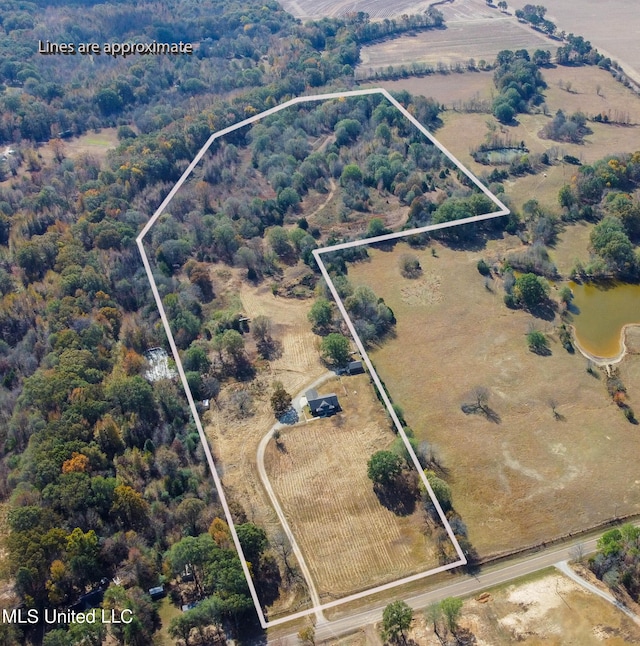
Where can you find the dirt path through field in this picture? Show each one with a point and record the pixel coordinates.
(332, 192)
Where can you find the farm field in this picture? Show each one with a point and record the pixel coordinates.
(349, 540)
(473, 31)
(377, 9)
(526, 477)
(447, 89)
(609, 27)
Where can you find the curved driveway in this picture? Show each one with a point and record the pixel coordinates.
(295, 403)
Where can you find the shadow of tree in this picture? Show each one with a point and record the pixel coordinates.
(399, 496)
(487, 411)
(464, 637)
(541, 351)
(269, 348)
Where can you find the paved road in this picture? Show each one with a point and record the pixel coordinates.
(466, 585)
(313, 593)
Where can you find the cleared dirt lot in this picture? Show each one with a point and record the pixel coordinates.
(349, 540)
(547, 608)
(529, 477)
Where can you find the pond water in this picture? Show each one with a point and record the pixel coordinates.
(503, 155)
(600, 312)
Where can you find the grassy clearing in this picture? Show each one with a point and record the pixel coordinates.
(350, 541)
(530, 477)
(95, 144)
(167, 612)
(461, 132)
(447, 89)
(572, 245)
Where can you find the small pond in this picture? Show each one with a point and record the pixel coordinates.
(600, 312)
(503, 155)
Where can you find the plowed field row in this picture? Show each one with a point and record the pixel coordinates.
(350, 541)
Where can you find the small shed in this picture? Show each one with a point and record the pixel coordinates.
(322, 405)
(355, 368)
(157, 592)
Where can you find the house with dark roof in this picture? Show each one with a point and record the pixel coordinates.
(322, 405)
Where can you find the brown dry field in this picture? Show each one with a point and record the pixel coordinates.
(480, 39)
(350, 541)
(235, 441)
(461, 132)
(377, 9)
(528, 478)
(609, 26)
(447, 89)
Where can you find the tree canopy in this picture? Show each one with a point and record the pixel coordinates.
(384, 467)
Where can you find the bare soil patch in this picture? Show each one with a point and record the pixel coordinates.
(546, 608)
(350, 541)
(551, 609)
(530, 477)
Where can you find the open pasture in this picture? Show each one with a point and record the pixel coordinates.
(591, 90)
(447, 89)
(319, 473)
(525, 476)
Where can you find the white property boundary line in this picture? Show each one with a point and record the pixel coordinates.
(317, 609)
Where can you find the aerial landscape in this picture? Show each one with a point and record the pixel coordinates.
(319, 323)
